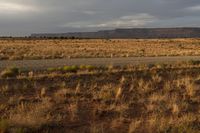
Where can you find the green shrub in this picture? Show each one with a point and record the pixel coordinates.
(82, 67)
(73, 69)
(87, 67)
(51, 69)
(10, 72)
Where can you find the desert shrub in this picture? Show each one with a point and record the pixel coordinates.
(161, 66)
(149, 66)
(193, 62)
(21, 130)
(10, 72)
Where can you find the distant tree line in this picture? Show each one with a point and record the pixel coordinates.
(58, 37)
(61, 37)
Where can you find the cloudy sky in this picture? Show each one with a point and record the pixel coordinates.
(23, 17)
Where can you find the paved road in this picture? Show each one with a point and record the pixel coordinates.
(44, 64)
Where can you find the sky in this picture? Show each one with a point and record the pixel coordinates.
(23, 17)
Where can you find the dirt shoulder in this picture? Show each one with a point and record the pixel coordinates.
(54, 63)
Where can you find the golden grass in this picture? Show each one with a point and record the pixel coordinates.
(142, 100)
(50, 49)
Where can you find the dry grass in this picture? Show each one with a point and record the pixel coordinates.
(50, 49)
(128, 100)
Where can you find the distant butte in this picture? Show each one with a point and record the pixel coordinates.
(134, 33)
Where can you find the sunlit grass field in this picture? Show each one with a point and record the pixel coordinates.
(16, 49)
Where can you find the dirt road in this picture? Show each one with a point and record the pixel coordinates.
(53, 63)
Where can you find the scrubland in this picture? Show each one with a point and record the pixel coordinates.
(16, 49)
(160, 98)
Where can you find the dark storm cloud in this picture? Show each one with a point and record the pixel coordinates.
(22, 17)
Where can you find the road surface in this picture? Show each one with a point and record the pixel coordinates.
(54, 63)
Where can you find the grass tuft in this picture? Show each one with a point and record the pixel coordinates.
(3, 126)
